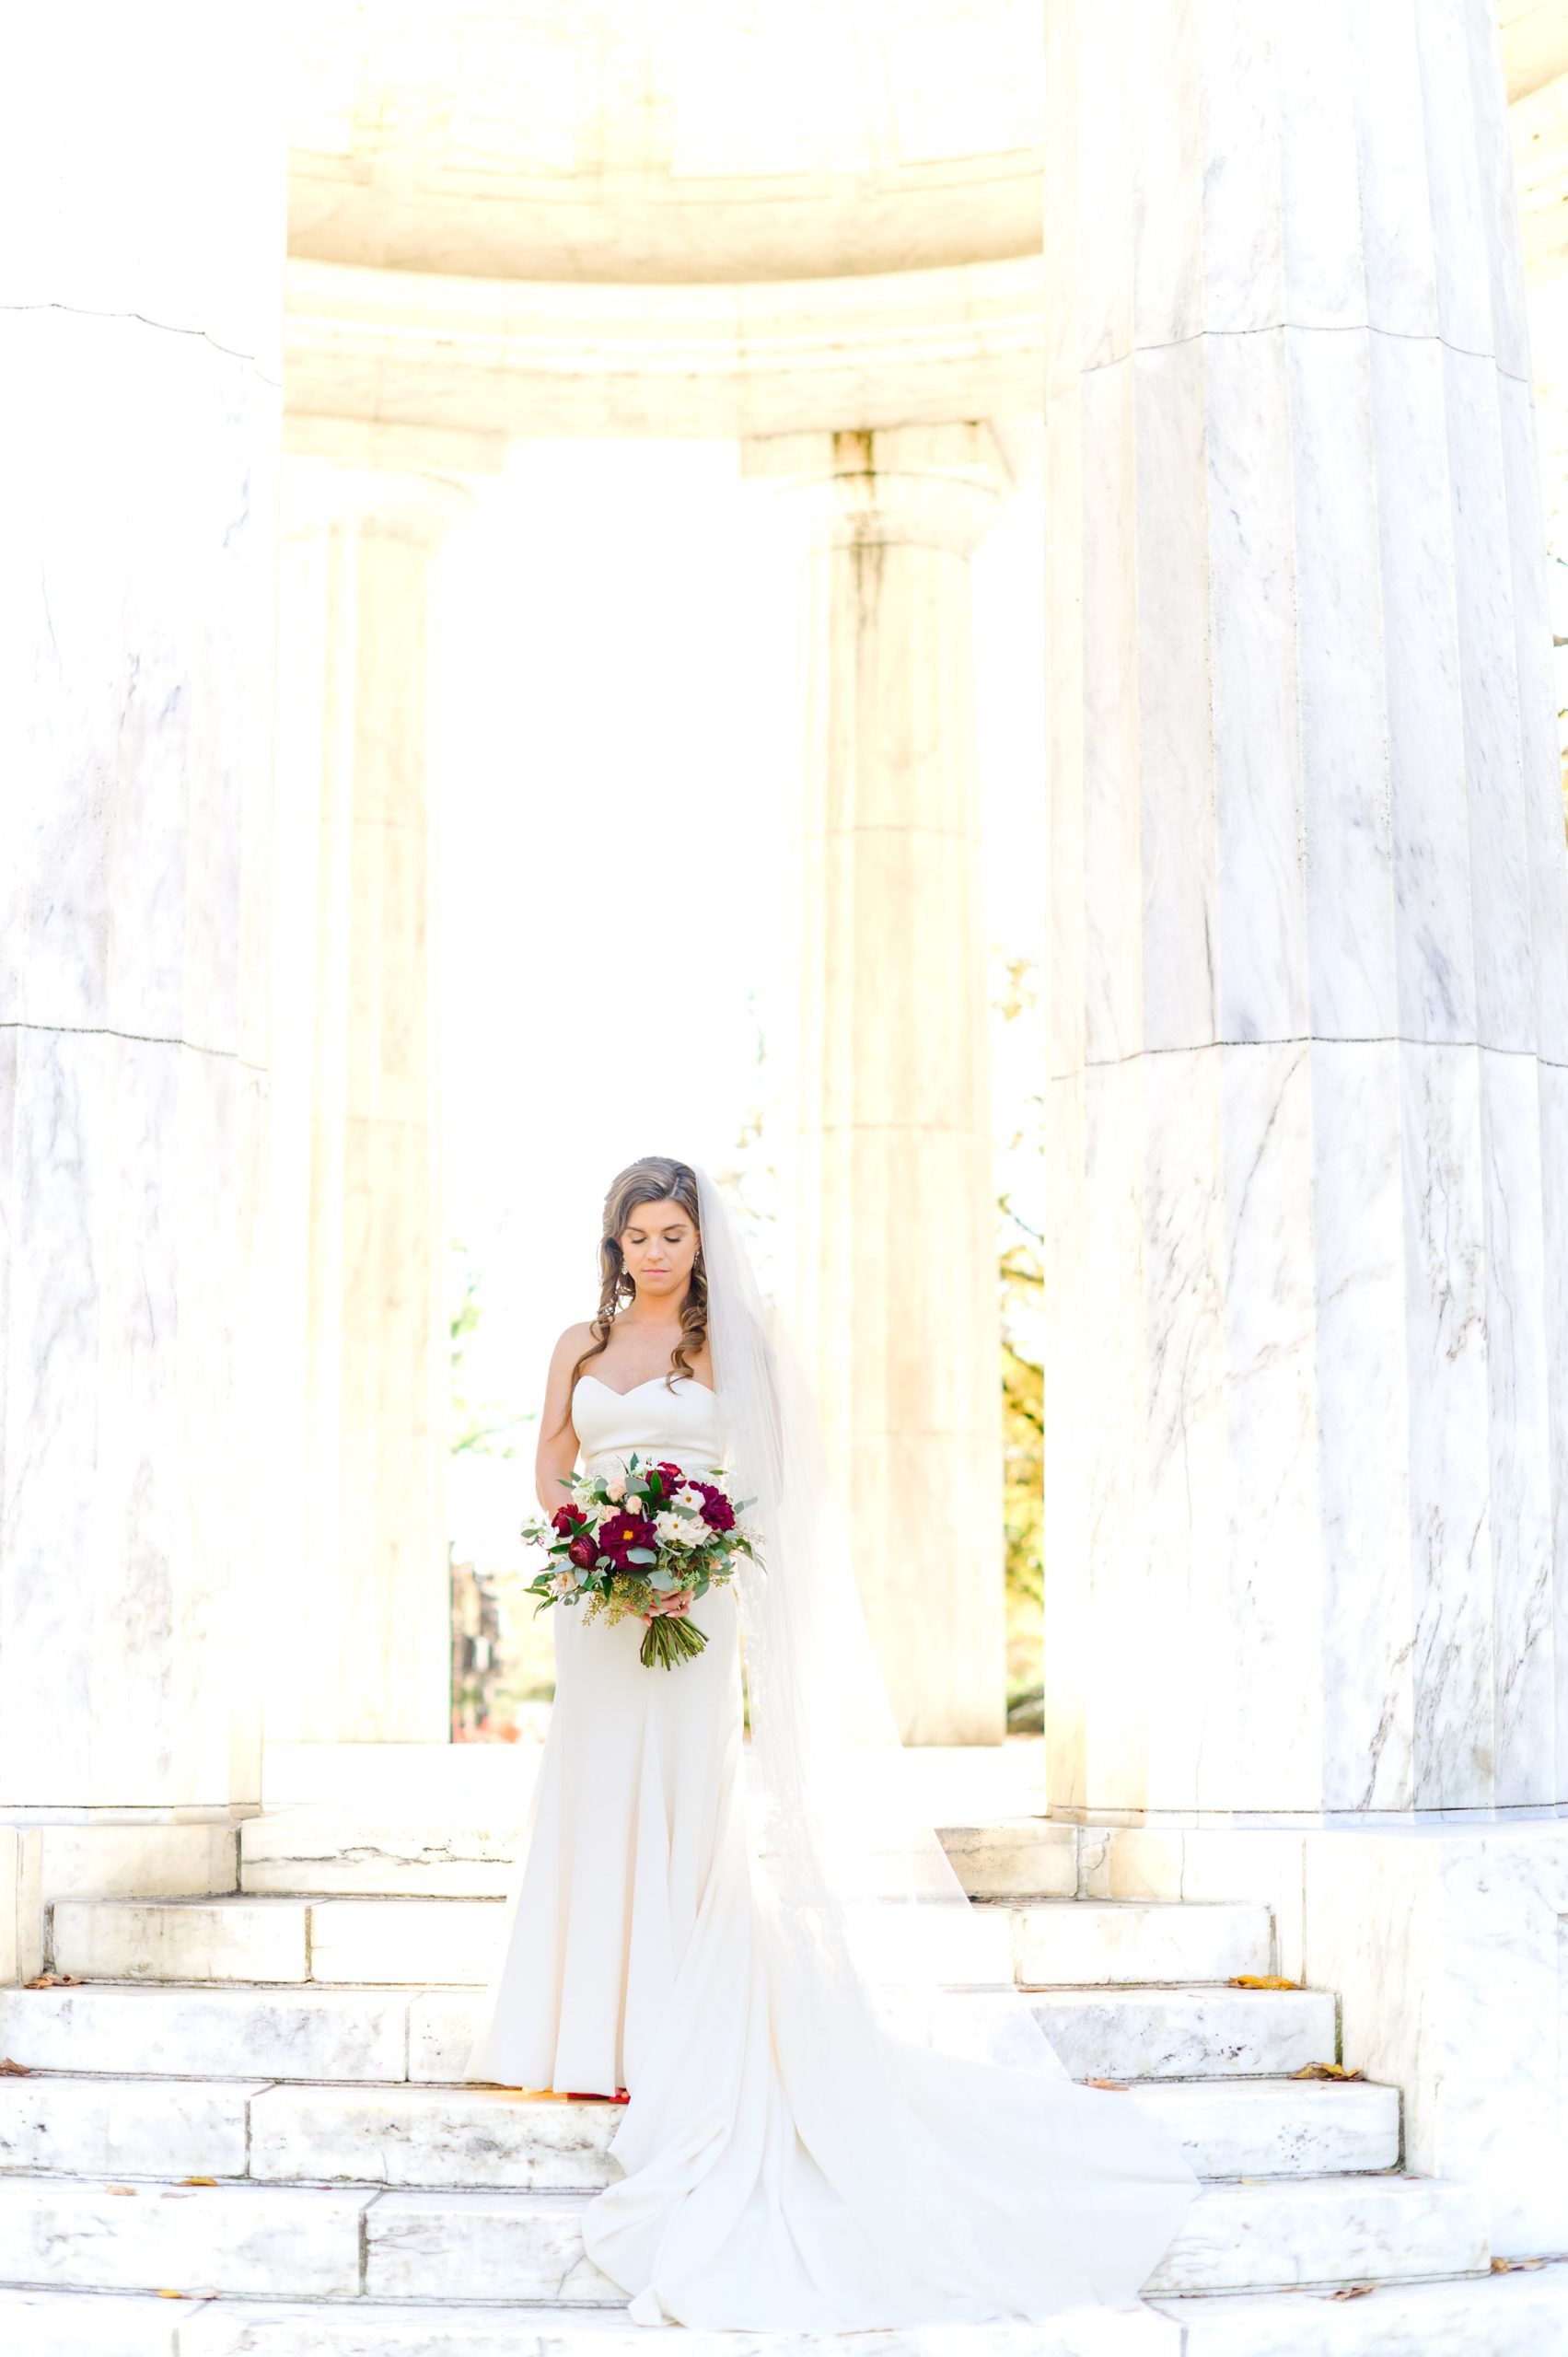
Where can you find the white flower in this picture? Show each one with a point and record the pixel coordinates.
(615, 1487)
(673, 1529)
(561, 1583)
(690, 1498)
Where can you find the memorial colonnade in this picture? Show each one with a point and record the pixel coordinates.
(1304, 1400)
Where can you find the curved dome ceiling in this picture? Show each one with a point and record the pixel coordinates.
(647, 140)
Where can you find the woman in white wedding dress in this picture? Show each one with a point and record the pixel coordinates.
(840, 2114)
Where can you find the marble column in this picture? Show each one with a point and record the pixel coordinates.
(140, 326)
(366, 1657)
(1307, 1391)
(895, 1206)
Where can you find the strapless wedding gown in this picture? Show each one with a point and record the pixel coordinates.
(637, 1955)
(635, 1805)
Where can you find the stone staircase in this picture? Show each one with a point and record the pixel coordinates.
(240, 2135)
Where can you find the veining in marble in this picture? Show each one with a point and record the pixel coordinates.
(1304, 821)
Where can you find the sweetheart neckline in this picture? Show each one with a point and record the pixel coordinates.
(708, 1388)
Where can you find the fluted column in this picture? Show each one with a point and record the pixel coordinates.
(367, 1651)
(1307, 1391)
(896, 1208)
(139, 346)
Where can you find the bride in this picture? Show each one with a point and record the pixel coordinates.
(841, 2115)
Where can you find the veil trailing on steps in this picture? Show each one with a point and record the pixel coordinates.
(903, 2145)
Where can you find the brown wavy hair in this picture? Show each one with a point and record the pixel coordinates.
(653, 1179)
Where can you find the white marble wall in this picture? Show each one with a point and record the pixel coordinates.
(140, 327)
(897, 1234)
(363, 1646)
(1308, 1396)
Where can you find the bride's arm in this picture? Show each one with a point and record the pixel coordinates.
(557, 1451)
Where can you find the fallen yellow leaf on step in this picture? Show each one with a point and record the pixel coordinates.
(1353, 2291)
(1117, 2085)
(120, 2188)
(173, 2295)
(1261, 1980)
(1515, 2266)
(198, 2181)
(1324, 2071)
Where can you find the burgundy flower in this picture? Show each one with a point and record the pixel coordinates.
(566, 1519)
(620, 1533)
(672, 1476)
(717, 1511)
(583, 1551)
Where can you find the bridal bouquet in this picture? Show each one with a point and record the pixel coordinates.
(627, 1542)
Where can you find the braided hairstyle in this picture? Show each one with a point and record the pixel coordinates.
(653, 1179)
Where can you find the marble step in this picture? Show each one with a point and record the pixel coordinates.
(1188, 2033)
(1513, 2316)
(1325, 2229)
(331, 1853)
(130, 2127)
(512, 2247)
(66, 2323)
(413, 1942)
(339, 1852)
(217, 2033)
(425, 2034)
(297, 2242)
(476, 2137)
(1523, 2315)
(352, 1942)
(1281, 2127)
(1018, 1857)
(1082, 1941)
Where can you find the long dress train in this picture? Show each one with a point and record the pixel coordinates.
(642, 1951)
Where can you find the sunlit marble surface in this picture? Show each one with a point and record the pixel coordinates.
(360, 1635)
(892, 1067)
(579, 139)
(1308, 1382)
(139, 342)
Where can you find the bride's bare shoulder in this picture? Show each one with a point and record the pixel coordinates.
(573, 1343)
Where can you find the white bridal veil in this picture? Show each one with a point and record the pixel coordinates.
(914, 2074)
(863, 1897)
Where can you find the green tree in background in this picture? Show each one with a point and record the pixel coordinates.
(1021, 1275)
(475, 1429)
(1023, 1461)
(1558, 644)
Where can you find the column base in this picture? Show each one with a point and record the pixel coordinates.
(1447, 1946)
(47, 1854)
